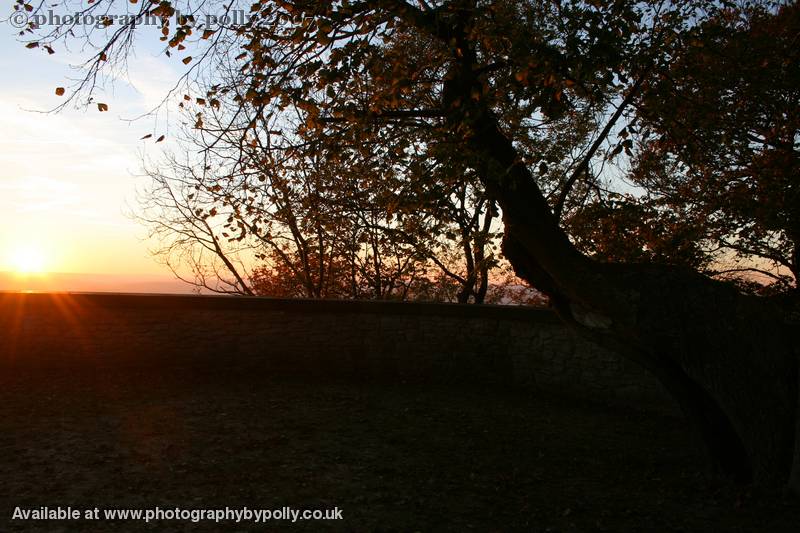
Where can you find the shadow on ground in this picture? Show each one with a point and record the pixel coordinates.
(393, 458)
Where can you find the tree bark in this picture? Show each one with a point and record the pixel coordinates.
(728, 359)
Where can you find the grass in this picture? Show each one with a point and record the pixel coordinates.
(393, 458)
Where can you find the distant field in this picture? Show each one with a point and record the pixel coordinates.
(393, 459)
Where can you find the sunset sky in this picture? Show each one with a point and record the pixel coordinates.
(69, 179)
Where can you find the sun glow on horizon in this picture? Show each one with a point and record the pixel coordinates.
(27, 259)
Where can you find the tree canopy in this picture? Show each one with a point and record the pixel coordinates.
(586, 91)
(634, 149)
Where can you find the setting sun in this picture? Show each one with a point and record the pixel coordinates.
(27, 260)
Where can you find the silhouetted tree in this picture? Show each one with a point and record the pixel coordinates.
(493, 83)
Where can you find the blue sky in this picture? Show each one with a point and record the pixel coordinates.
(67, 180)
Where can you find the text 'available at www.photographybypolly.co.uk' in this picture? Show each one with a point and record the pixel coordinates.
(226, 514)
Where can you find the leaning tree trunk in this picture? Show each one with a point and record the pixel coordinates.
(714, 431)
(730, 360)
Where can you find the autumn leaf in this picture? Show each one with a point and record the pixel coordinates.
(146, 136)
(161, 138)
(102, 107)
(187, 60)
(60, 91)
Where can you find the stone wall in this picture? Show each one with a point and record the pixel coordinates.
(414, 342)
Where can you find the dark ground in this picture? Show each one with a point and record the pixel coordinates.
(392, 458)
